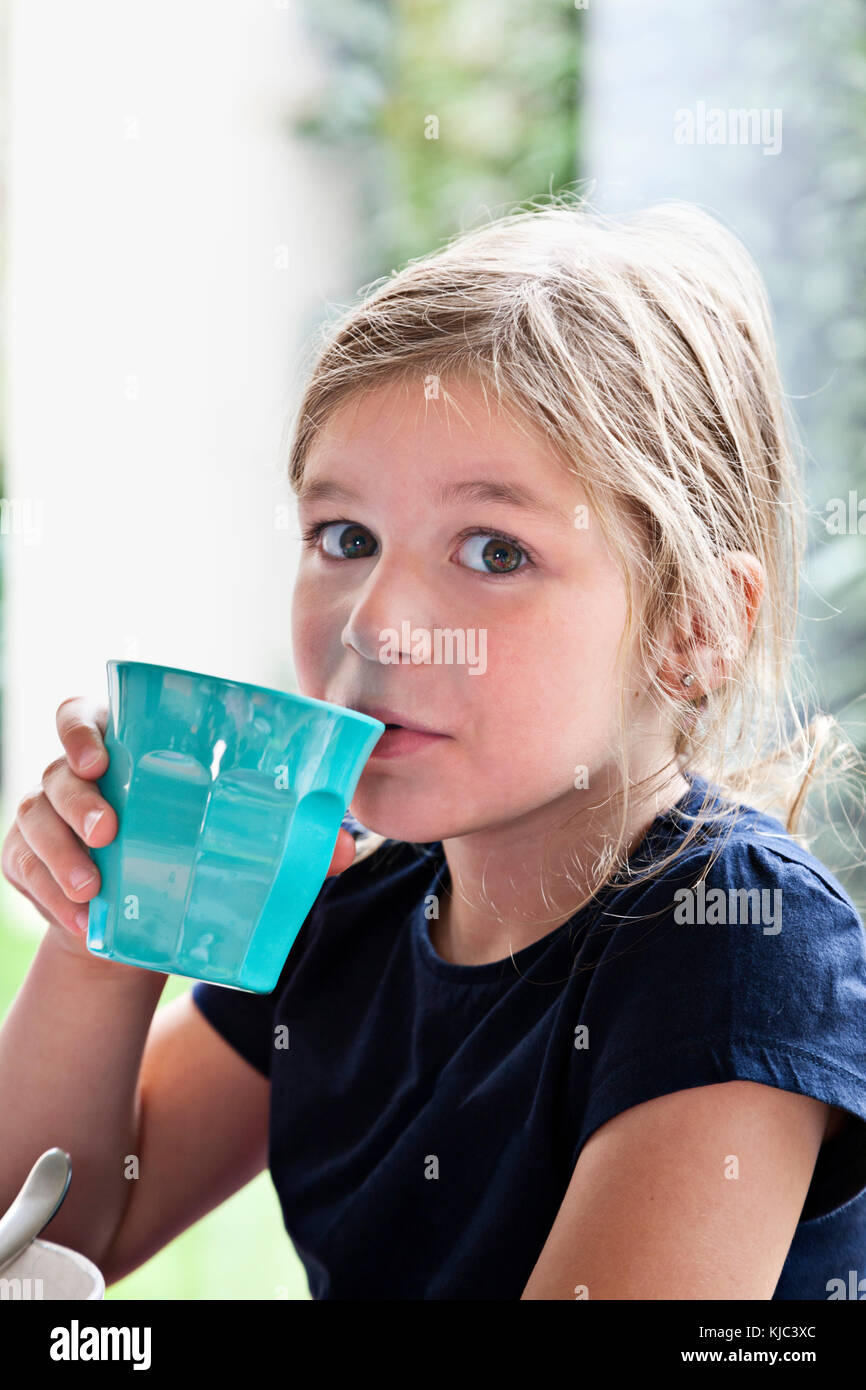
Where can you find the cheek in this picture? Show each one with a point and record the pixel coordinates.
(547, 700)
(555, 660)
(310, 642)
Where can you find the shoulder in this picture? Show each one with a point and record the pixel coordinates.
(758, 875)
(745, 959)
(742, 868)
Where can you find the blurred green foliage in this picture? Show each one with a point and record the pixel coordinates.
(828, 303)
(814, 62)
(446, 109)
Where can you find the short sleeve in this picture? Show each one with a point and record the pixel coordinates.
(243, 1019)
(752, 967)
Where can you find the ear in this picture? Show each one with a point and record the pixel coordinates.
(709, 665)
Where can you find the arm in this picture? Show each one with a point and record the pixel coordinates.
(203, 1133)
(85, 1065)
(70, 1051)
(650, 1213)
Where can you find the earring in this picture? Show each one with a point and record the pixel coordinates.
(688, 679)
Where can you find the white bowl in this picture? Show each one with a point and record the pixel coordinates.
(46, 1270)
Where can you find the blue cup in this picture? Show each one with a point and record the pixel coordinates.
(229, 798)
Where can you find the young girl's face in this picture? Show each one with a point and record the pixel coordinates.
(527, 700)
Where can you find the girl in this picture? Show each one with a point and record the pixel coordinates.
(582, 1018)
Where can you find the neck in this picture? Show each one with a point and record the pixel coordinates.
(511, 885)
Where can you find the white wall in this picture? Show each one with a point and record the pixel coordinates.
(152, 343)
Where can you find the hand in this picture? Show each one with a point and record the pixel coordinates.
(344, 853)
(44, 853)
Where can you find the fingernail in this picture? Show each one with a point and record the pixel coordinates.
(82, 920)
(79, 877)
(91, 820)
(89, 758)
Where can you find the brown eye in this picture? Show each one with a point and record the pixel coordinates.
(496, 554)
(351, 541)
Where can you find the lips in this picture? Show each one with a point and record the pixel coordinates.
(393, 718)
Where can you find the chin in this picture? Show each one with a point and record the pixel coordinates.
(416, 824)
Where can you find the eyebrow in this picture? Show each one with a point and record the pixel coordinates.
(476, 490)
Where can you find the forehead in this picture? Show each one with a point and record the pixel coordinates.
(426, 405)
(439, 433)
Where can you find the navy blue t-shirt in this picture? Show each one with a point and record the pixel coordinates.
(426, 1116)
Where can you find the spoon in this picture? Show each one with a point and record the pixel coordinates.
(39, 1199)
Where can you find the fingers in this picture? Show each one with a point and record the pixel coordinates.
(52, 841)
(344, 853)
(29, 875)
(80, 725)
(79, 803)
(43, 854)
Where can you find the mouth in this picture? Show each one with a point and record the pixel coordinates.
(393, 720)
(402, 735)
(398, 741)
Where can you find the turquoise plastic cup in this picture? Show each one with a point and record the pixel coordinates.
(229, 798)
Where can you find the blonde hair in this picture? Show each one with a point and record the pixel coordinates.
(641, 349)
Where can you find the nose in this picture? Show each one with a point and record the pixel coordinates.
(394, 592)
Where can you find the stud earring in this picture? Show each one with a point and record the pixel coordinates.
(688, 679)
